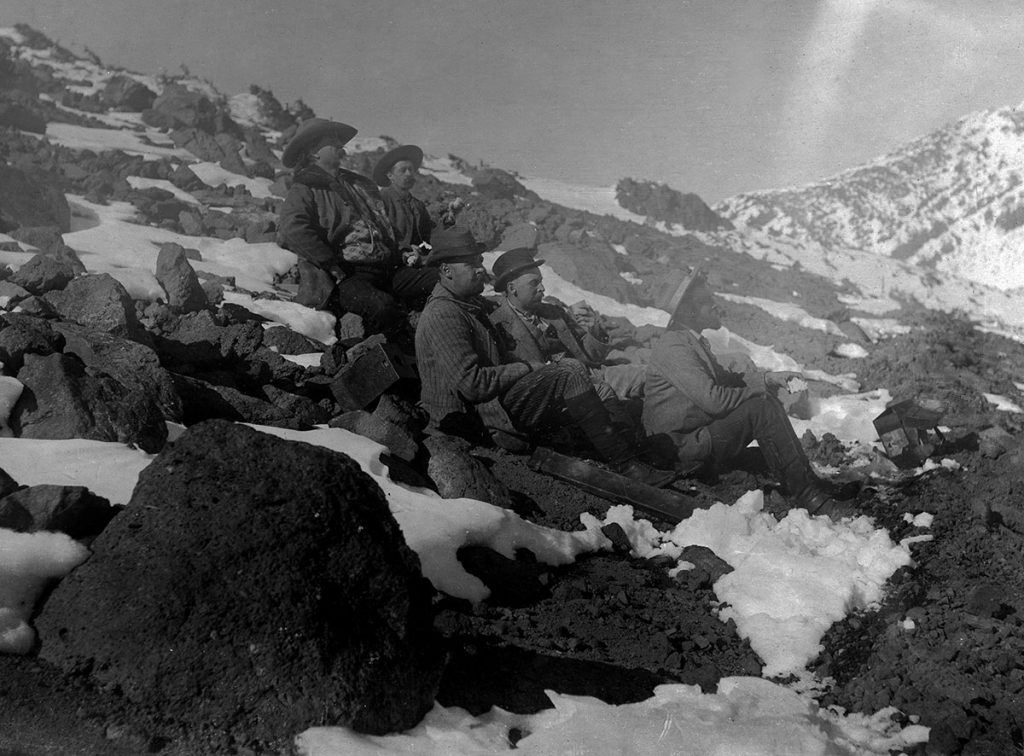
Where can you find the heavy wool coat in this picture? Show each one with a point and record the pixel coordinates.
(461, 367)
(686, 387)
(336, 221)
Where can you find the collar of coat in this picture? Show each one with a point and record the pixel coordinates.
(316, 177)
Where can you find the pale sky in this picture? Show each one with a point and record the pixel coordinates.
(708, 96)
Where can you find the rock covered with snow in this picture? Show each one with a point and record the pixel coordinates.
(253, 597)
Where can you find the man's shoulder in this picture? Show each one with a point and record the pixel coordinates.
(677, 339)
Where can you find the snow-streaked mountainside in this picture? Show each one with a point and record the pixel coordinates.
(950, 202)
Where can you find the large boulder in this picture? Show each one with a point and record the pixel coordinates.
(99, 301)
(61, 399)
(31, 199)
(254, 587)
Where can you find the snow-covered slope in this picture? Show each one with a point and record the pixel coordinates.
(950, 202)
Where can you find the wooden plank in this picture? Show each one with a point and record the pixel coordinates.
(671, 506)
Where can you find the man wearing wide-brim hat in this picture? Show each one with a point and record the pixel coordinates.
(470, 390)
(396, 173)
(334, 220)
(711, 414)
(534, 330)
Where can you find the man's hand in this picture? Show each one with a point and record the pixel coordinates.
(585, 317)
(781, 378)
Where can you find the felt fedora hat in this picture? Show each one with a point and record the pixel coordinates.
(309, 133)
(510, 264)
(409, 152)
(453, 245)
(696, 277)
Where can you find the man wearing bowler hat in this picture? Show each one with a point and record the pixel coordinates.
(711, 414)
(533, 330)
(469, 390)
(335, 221)
(396, 174)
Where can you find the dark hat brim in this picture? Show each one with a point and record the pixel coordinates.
(508, 275)
(312, 131)
(455, 254)
(409, 152)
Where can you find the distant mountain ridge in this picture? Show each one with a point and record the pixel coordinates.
(951, 201)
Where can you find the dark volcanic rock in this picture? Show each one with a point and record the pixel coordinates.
(256, 587)
(457, 474)
(74, 510)
(398, 441)
(101, 302)
(31, 199)
(22, 334)
(63, 400)
(133, 364)
(284, 340)
(43, 273)
(179, 279)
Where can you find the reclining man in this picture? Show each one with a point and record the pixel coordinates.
(712, 414)
(532, 330)
(470, 392)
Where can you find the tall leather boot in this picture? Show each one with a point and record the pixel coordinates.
(788, 461)
(591, 417)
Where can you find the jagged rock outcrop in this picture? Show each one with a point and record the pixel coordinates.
(661, 202)
(254, 586)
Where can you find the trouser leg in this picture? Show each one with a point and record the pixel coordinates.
(764, 419)
(538, 399)
(379, 310)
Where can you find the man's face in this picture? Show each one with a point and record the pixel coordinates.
(465, 277)
(328, 154)
(704, 310)
(403, 174)
(527, 289)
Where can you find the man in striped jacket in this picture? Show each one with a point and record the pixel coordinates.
(468, 390)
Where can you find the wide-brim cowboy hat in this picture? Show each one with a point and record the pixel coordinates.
(453, 245)
(696, 277)
(312, 131)
(409, 152)
(510, 264)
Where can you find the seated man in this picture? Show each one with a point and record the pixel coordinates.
(532, 330)
(712, 414)
(467, 388)
(396, 174)
(334, 220)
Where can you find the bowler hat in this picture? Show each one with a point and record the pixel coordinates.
(312, 131)
(453, 245)
(695, 278)
(510, 264)
(409, 152)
